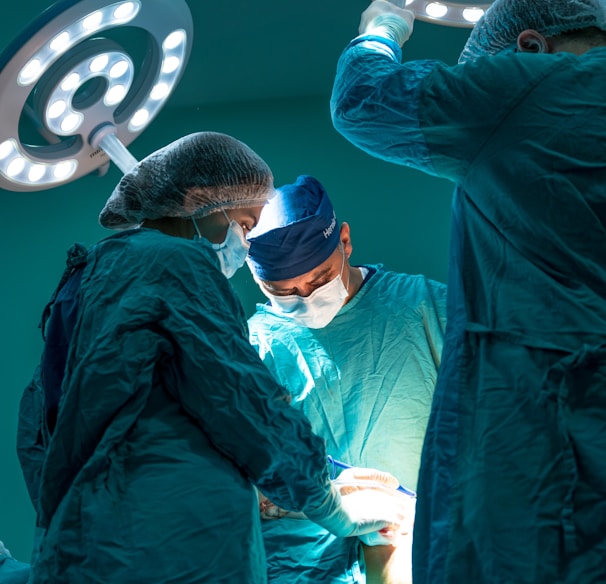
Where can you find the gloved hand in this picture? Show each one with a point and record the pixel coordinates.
(4, 551)
(357, 478)
(270, 510)
(388, 20)
(359, 513)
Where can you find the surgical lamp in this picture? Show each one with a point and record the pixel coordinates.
(70, 81)
(444, 12)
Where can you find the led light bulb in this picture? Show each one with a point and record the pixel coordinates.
(170, 64)
(60, 41)
(159, 91)
(173, 40)
(70, 82)
(15, 166)
(115, 95)
(99, 63)
(30, 72)
(36, 172)
(119, 69)
(140, 118)
(436, 9)
(472, 14)
(124, 11)
(56, 109)
(70, 123)
(64, 169)
(6, 148)
(92, 21)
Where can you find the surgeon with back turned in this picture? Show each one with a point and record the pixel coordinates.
(512, 487)
(359, 347)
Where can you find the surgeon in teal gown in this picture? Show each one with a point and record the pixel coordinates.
(359, 349)
(512, 487)
(157, 415)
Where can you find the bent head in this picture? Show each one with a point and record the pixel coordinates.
(205, 184)
(299, 255)
(200, 175)
(547, 26)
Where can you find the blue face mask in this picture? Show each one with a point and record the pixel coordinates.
(234, 249)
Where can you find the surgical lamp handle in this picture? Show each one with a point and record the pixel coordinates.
(338, 464)
(104, 137)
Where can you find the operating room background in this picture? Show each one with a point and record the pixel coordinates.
(261, 71)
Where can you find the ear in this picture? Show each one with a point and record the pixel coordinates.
(531, 41)
(345, 236)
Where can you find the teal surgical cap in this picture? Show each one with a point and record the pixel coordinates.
(297, 231)
(504, 20)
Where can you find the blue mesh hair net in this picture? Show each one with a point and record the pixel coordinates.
(504, 20)
(297, 231)
(195, 175)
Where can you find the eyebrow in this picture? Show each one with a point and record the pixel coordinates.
(321, 274)
(254, 220)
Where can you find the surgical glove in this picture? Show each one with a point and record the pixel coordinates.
(4, 551)
(357, 477)
(394, 536)
(359, 513)
(388, 20)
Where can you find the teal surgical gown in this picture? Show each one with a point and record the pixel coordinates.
(365, 382)
(512, 487)
(167, 417)
(13, 571)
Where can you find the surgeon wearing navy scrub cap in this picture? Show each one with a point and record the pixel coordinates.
(358, 347)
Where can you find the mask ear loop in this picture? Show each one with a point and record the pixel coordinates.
(196, 228)
(342, 266)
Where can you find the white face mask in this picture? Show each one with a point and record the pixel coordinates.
(234, 249)
(317, 309)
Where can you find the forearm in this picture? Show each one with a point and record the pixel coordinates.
(386, 564)
(375, 102)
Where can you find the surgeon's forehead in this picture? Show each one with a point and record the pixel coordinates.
(327, 267)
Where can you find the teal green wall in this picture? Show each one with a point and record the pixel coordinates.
(398, 217)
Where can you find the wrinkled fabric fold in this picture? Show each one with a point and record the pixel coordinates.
(167, 418)
(365, 382)
(508, 476)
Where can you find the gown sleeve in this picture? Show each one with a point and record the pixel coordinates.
(423, 113)
(164, 314)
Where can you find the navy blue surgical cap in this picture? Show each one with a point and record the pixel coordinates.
(297, 231)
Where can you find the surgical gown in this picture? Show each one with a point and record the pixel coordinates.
(13, 571)
(512, 488)
(365, 382)
(166, 418)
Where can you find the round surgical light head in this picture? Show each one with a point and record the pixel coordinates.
(447, 13)
(75, 90)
